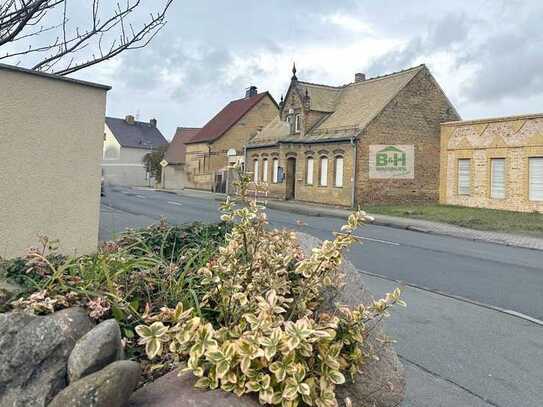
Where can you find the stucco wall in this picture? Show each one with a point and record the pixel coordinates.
(51, 136)
(516, 139)
(122, 165)
(173, 177)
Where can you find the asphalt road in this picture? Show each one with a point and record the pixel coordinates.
(457, 353)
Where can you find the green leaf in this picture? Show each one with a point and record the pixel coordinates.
(336, 377)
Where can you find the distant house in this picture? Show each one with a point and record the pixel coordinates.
(126, 141)
(173, 172)
(51, 136)
(374, 140)
(223, 138)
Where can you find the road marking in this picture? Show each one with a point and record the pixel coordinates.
(175, 203)
(515, 314)
(378, 240)
(140, 196)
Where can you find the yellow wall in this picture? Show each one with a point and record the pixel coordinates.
(51, 136)
(515, 138)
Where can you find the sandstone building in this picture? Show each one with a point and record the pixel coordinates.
(493, 163)
(221, 141)
(371, 141)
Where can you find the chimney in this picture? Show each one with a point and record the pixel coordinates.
(251, 91)
(359, 77)
(152, 122)
(129, 119)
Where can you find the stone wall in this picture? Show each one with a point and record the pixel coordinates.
(413, 117)
(515, 139)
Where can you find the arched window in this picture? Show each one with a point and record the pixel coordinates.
(309, 171)
(338, 171)
(255, 171)
(323, 170)
(297, 123)
(265, 170)
(275, 170)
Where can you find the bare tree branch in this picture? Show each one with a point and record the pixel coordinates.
(107, 34)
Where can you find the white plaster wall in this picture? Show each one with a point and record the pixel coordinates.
(51, 137)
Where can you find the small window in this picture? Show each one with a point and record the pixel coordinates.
(297, 123)
(536, 179)
(497, 178)
(338, 171)
(275, 170)
(309, 171)
(464, 177)
(323, 178)
(265, 170)
(255, 171)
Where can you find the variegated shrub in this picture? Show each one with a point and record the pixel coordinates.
(259, 328)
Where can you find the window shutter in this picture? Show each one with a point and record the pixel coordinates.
(339, 171)
(497, 178)
(464, 177)
(309, 176)
(536, 179)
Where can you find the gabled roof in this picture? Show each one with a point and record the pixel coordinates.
(350, 108)
(175, 154)
(136, 135)
(227, 117)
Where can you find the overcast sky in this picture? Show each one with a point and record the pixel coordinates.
(487, 55)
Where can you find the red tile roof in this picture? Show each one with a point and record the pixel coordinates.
(175, 154)
(226, 118)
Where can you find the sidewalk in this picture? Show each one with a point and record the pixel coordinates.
(417, 225)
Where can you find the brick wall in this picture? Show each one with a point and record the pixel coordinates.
(413, 117)
(516, 139)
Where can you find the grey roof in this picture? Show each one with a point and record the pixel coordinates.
(137, 135)
(53, 76)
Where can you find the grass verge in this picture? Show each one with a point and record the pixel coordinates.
(476, 218)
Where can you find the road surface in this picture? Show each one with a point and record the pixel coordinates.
(459, 349)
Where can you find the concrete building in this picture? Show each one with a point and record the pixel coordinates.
(126, 142)
(173, 169)
(371, 141)
(51, 137)
(222, 139)
(493, 163)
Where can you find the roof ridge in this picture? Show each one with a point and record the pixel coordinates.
(321, 84)
(388, 75)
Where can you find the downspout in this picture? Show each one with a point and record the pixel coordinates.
(353, 197)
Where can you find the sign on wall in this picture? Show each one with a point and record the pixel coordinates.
(392, 161)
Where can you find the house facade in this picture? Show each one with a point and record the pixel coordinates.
(221, 141)
(126, 142)
(51, 137)
(173, 166)
(493, 163)
(371, 141)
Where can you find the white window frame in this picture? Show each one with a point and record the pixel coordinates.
(535, 190)
(255, 170)
(275, 170)
(309, 170)
(338, 171)
(497, 185)
(462, 179)
(323, 171)
(265, 170)
(297, 123)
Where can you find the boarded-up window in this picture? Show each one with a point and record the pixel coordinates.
(497, 178)
(536, 179)
(275, 170)
(309, 171)
(464, 176)
(255, 171)
(323, 179)
(265, 170)
(338, 171)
